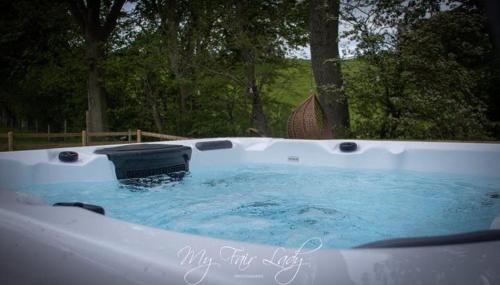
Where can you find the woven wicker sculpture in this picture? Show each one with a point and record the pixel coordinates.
(308, 121)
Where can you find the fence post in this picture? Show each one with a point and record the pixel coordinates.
(139, 136)
(48, 133)
(10, 137)
(88, 127)
(84, 138)
(129, 136)
(65, 129)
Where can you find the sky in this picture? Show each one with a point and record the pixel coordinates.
(302, 52)
(345, 48)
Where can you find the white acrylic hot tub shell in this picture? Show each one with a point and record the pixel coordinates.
(60, 245)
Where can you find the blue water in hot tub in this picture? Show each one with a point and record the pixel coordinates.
(287, 205)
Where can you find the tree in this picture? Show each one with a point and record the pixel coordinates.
(96, 29)
(40, 65)
(325, 60)
(247, 35)
(184, 27)
(255, 37)
(423, 70)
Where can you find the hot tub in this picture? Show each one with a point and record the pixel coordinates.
(257, 211)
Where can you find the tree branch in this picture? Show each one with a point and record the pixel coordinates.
(93, 21)
(112, 17)
(220, 73)
(78, 10)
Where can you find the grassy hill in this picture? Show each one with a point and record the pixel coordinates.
(297, 81)
(293, 87)
(294, 84)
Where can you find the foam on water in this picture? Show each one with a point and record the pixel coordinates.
(286, 205)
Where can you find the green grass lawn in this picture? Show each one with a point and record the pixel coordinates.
(296, 82)
(4, 129)
(294, 86)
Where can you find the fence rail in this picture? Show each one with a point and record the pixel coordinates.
(108, 134)
(46, 135)
(162, 136)
(85, 139)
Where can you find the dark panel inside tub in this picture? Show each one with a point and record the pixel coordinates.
(348, 147)
(90, 207)
(213, 145)
(143, 160)
(470, 237)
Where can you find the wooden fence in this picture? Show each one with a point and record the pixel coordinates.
(82, 138)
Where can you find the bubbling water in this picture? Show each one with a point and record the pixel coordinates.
(287, 205)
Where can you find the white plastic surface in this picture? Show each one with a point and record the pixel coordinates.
(40, 244)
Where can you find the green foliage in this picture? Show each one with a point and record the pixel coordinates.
(40, 64)
(430, 78)
(431, 84)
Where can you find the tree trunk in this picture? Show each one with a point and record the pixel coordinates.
(153, 100)
(157, 117)
(87, 14)
(178, 58)
(492, 8)
(258, 118)
(185, 92)
(325, 59)
(96, 96)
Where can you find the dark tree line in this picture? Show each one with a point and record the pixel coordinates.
(419, 69)
(96, 29)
